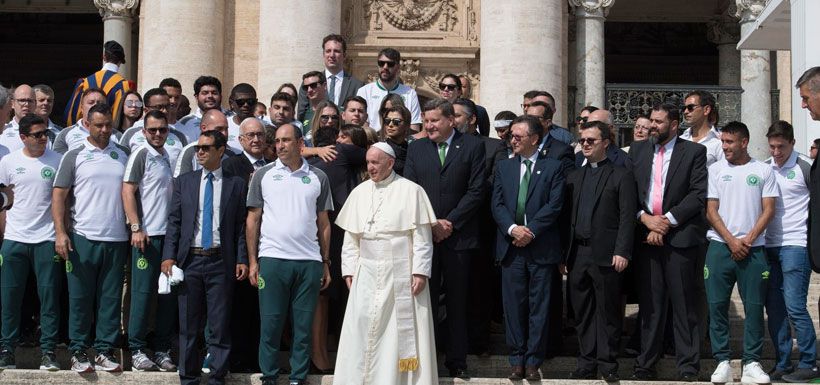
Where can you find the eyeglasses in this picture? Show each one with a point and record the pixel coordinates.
(448, 87)
(158, 107)
(245, 102)
(589, 141)
(133, 103)
(519, 138)
(252, 135)
(155, 130)
(690, 107)
(306, 87)
(327, 118)
(204, 147)
(389, 64)
(37, 135)
(24, 101)
(581, 119)
(393, 122)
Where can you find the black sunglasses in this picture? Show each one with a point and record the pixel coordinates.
(326, 118)
(395, 122)
(389, 64)
(306, 87)
(37, 135)
(245, 102)
(690, 107)
(581, 120)
(204, 147)
(448, 87)
(155, 130)
(589, 141)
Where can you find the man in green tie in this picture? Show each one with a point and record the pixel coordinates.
(527, 197)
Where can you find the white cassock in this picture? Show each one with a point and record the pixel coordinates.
(387, 335)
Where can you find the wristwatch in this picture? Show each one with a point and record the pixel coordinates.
(135, 227)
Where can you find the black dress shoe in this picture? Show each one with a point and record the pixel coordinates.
(517, 373)
(532, 373)
(688, 377)
(460, 373)
(581, 374)
(316, 370)
(643, 375)
(611, 377)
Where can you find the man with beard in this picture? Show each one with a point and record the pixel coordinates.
(450, 88)
(388, 82)
(208, 94)
(314, 85)
(281, 110)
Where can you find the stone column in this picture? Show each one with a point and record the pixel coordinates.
(724, 31)
(589, 41)
(755, 79)
(118, 17)
(804, 55)
(305, 23)
(520, 32)
(182, 40)
(784, 84)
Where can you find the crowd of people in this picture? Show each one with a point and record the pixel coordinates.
(353, 214)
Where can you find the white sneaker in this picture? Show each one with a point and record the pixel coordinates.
(141, 363)
(723, 373)
(754, 373)
(80, 363)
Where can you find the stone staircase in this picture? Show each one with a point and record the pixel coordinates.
(488, 370)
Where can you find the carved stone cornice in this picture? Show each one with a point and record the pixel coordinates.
(591, 8)
(749, 10)
(412, 15)
(117, 8)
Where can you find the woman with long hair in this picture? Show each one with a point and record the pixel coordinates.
(395, 125)
(131, 107)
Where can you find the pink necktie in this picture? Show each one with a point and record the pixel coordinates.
(657, 184)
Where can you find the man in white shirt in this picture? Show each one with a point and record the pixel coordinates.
(740, 204)
(242, 103)
(45, 104)
(208, 94)
(700, 112)
(156, 99)
(340, 84)
(74, 136)
(29, 242)
(23, 103)
(388, 82)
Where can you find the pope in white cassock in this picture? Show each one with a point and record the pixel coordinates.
(387, 335)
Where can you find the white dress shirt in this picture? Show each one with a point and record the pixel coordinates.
(523, 169)
(338, 89)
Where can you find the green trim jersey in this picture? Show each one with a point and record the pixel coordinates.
(151, 171)
(134, 138)
(29, 219)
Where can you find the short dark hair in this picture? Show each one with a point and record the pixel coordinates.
(601, 126)
(705, 98)
(325, 136)
(817, 142)
(672, 111)
(455, 79)
(811, 75)
(219, 139)
(354, 98)
(356, 134)
(534, 93)
(466, 104)
(30, 120)
(283, 96)
(153, 92)
(736, 128)
(287, 85)
(93, 90)
(548, 112)
(445, 107)
(170, 82)
(337, 38)
(395, 99)
(533, 125)
(781, 129)
(99, 108)
(391, 54)
(156, 114)
(243, 88)
(320, 75)
(207, 81)
(589, 109)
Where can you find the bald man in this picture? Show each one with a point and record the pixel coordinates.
(613, 153)
(23, 103)
(212, 120)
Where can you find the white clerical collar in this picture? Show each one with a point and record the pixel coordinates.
(386, 181)
(111, 67)
(597, 164)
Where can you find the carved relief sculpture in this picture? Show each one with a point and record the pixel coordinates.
(412, 15)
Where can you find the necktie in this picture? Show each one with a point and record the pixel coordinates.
(442, 152)
(208, 213)
(523, 188)
(657, 184)
(331, 92)
(259, 164)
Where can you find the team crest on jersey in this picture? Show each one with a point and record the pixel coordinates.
(1, 260)
(753, 180)
(56, 258)
(47, 173)
(705, 272)
(260, 282)
(764, 275)
(170, 142)
(791, 174)
(69, 267)
(20, 170)
(114, 155)
(306, 179)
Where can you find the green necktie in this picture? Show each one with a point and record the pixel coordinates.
(442, 151)
(520, 208)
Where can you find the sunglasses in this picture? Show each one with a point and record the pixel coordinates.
(326, 118)
(158, 107)
(245, 102)
(204, 147)
(589, 141)
(37, 135)
(389, 64)
(581, 120)
(155, 130)
(306, 87)
(690, 107)
(133, 103)
(393, 122)
(448, 87)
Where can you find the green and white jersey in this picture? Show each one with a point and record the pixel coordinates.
(152, 172)
(10, 138)
(74, 136)
(29, 219)
(95, 176)
(740, 189)
(134, 138)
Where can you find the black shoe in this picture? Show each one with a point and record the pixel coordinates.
(688, 377)
(460, 373)
(7, 360)
(809, 375)
(517, 373)
(776, 375)
(611, 377)
(643, 375)
(581, 374)
(532, 374)
(269, 381)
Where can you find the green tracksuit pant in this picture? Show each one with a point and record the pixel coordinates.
(751, 274)
(95, 272)
(16, 258)
(287, 284)
(147, 307)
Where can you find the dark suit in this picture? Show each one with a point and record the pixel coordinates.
(456, 191)
(207, 278)
(669, 272)
(482, 120)
(527, 272)
(556, 149)
(594, 284)
(239, 165)
(814, 217)
(349, 87)
(613, 153)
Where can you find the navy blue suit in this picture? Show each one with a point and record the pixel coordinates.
(207, 278)
(527, 272)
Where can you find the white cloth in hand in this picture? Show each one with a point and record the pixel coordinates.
(165, 282)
